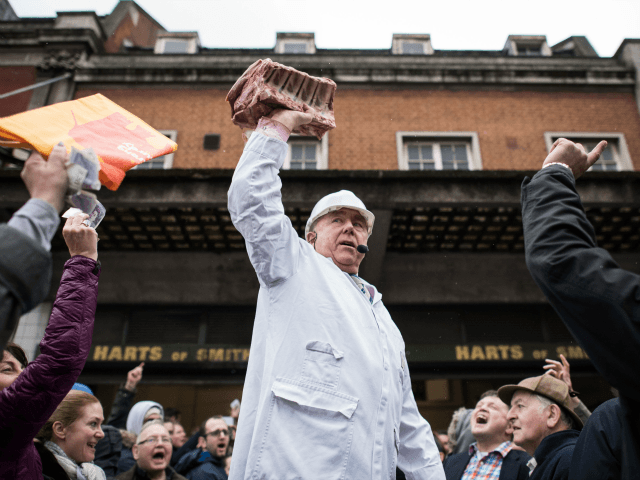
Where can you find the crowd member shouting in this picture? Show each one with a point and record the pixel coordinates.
(29, 394)
(67, 441)
(25, 241)
(207, 462)
(327, 391)
(492, 454)
(152, 453)
(141, 413)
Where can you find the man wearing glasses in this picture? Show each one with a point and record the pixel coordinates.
(152, 453)
(207, 461)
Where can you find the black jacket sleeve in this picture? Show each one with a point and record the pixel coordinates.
(598, 301)
(120, 409)
(25, 278)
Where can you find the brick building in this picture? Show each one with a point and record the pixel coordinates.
(435, 142)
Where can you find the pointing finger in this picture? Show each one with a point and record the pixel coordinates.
(594, 155)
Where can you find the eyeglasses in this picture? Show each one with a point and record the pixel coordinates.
(154, 440)
(217, 433)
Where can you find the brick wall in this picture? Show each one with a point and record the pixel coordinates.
(13, 78)
(510, 125)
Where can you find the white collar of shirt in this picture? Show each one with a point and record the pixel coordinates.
(532, 464)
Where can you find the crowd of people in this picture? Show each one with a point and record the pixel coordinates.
(295, 422)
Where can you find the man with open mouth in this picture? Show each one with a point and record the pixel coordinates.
(208, 460)
(493, 455)
(152, 453)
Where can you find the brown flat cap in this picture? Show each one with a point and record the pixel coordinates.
(547, 386)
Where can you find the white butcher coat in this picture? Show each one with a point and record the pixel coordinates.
(327, 393)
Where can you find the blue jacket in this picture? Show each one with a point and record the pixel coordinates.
(598, 452)
(514, 466)
(598, 301)
(553, 456)
(199, 465)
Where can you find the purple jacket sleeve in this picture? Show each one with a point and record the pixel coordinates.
(31, 399)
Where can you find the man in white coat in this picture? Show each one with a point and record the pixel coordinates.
(327, 393)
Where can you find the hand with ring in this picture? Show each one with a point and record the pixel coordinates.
(80, 238)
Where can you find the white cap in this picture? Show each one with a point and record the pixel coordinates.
(336, 201)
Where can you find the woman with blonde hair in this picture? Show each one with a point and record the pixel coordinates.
(67, 441)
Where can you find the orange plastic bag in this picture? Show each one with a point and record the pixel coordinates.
(120, 139)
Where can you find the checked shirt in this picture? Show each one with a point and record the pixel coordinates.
(486, 467)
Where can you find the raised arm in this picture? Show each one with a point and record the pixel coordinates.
(255, 200)
(598, 301)
(30, 400)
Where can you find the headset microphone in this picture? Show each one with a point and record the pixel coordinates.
(362, 248)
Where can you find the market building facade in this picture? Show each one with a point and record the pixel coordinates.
(436, 143)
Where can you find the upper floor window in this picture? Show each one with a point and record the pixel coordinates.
(438, 151)
(307, 153)
(527, 46)
(409, 44)
(615, 157)
(163, 162)
(177, 43)
(295, 43)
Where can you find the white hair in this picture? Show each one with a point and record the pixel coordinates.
(547, 402)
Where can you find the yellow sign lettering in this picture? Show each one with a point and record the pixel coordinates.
(492, 352)
(477, 353)
(100, 353)
(462, 352)
(116, 354)
(143, 352)
(516, 352)
(156, 354)
(130, 354)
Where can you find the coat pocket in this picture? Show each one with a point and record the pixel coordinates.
(308, 433)
(322, 364)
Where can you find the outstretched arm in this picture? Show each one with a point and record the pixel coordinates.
(598, 301)
(562, 371)
(255, 200)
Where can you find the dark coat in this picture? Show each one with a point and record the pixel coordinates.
(188, 446)
(25, 277)
(553, 456)
(137, 473)
(199, 465)
(120, 408)
(51, 469)
(514, 466)
(108, 451)
(598, 452)
(33, 397)
(126, 460)
(598, 301)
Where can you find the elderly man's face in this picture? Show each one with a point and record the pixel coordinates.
(338, 235)
(489, 419)
(528, 419)
(152, 450)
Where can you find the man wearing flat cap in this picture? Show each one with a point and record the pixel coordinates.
(544, 424)
(327, 393)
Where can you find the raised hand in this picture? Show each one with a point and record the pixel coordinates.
(574, 155)
(81, 239)
(133, 378)
(562, 371)
(290, 118)
(47, 179)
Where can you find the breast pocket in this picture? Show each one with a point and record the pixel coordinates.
(308, 434)
(322, 364)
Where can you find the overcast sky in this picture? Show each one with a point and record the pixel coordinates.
(453, 24)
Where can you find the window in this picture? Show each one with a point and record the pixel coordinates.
(615, 157)
(438, 151)
(177, 43)
(307, 153)
(295, 47)
(527, 46)
(163, 162)
(411, 44)
(292, 43)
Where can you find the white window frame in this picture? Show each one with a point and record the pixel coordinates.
(623, 157)
(322, 151)
(309, 42)
(398, 41)
(192, 45)
(168, 158)
(470, 138)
